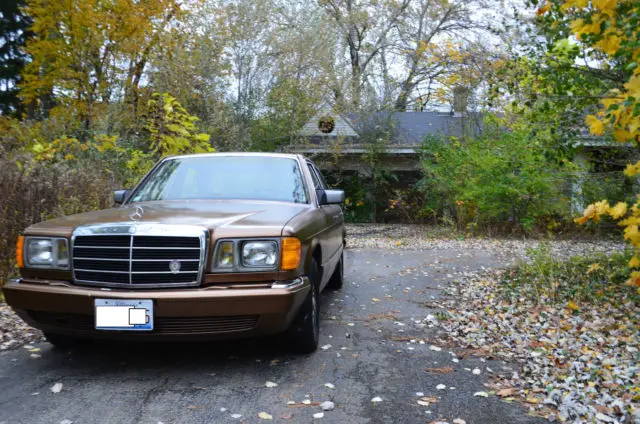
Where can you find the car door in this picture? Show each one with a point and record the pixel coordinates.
(334, 220)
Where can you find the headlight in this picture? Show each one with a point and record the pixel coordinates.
(224, 255)
(41, 252)
(259, 253)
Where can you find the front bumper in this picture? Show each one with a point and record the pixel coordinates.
(200, 314)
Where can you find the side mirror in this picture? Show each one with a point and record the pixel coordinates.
(119, 196)
(330, 197)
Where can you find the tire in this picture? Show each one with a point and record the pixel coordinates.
(60, 341)
(305, 331)
(337, 279)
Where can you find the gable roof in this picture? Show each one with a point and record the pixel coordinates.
(343, 127)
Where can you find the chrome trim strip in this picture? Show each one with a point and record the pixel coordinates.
(102, 247)
(139, 229)
(135, 260)
(293, 284)
(134, 272)
(137, 247)
(130, 258)
(103, 285)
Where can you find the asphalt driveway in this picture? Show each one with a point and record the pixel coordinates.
(366, 333)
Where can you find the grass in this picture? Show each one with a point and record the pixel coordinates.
(593, 278)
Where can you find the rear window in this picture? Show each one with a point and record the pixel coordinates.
(225, 177)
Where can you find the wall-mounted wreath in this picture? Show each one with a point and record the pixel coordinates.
(326, 124)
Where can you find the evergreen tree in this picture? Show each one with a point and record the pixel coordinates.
(14, 31)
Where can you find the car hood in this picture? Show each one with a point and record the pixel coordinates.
(226, 218)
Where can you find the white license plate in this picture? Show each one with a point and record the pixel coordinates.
(124, 314)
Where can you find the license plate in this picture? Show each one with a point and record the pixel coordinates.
(123, 314)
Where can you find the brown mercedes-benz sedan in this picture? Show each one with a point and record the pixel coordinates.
(207, 246)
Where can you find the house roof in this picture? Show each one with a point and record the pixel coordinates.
(411, 128)
(342, 128)
(408, 128)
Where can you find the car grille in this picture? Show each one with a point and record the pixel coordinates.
(162, 325)
(132, 260)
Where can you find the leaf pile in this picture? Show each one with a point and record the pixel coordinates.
(577, 364)
(13, 331)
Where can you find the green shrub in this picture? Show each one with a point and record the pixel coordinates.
(504, 177)
(579, 279)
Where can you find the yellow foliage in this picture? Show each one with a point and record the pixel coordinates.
(595, 125)
(632, 169)
(593, 268)
(573, 306)
(618, 107)
(634, 280)
(618, 211)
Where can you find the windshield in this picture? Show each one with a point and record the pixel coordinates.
(225, 177)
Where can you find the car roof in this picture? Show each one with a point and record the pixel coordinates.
(259, 154)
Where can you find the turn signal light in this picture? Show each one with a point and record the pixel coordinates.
(20, 252)
(290, 253)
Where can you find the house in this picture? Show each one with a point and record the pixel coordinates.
(336, 142)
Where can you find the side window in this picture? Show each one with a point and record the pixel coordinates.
(314, 176)
(318, 180)
(323, 183)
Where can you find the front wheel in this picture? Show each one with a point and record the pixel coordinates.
(304, 333)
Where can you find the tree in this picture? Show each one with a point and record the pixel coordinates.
(14, 32)
(365, 26)
(91, 52)
(424, 42)
(196, 70)
(608, 31)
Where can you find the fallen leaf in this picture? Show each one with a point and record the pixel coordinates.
(304, 404)
(429, 399)
(375, 299)
(56, 388)
(441, 370)
(511, 391)
(573, 306)
(327, 405)
(265, 416)
(481, 394)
